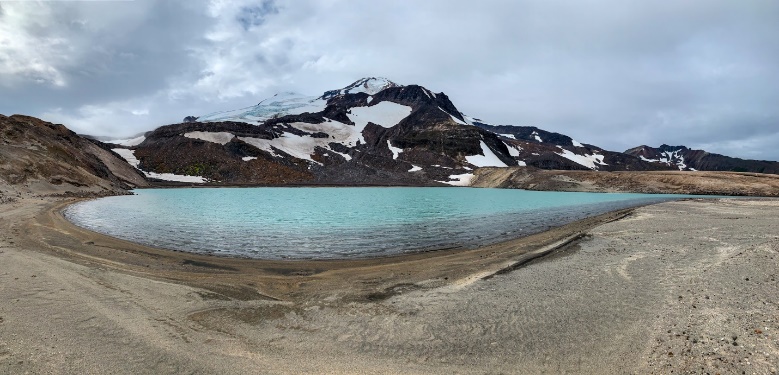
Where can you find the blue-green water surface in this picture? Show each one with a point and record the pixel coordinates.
(336, 223)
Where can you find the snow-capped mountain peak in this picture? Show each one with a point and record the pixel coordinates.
(368, 85)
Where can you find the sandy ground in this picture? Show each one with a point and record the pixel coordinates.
(682, 287)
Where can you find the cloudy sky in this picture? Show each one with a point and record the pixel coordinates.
(613, 73)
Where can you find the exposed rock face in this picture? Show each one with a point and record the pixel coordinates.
(687, 159)
(43, 158)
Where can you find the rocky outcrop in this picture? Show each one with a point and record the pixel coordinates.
(42, 158)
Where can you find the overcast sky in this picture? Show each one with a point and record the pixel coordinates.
(614, 73)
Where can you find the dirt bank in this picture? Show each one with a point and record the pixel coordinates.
(650, 182)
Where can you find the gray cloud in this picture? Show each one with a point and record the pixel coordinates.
(612, 73)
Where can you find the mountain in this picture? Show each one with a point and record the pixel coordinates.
(547, 150)
(686, 159)
(41, 158)
(371, 132)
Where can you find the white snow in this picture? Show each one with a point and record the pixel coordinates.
(669, 158)
(370, 86)
(282, 104)
(128, 142)
(455, 119)
(385, 114)
(588, 161)
(247, 158)
(521, 163)
(513, 150)
(535, 135)
(129, 156)
(460, 179)
(395, 151)
(414, 168)
(216, 137)
(369, 100)
(302, 147)
(297, 146)
(508, 136)
(346, 156)
(576, 144)
(488, 159)
(262, 144)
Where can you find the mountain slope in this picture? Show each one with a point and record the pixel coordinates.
(371, 132)
(687, 159)
(39, 157)
(547, 150)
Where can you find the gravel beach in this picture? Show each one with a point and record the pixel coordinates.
(679, 287)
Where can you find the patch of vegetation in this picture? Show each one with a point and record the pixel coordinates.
(197, 169)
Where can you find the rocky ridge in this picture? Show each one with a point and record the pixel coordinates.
(686, 159)
(41, 158)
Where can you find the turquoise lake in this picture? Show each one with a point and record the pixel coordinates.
(336, 223)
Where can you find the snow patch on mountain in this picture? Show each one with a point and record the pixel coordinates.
(513, 150)
(128, 142)
(673, 158)
(248, 158)
(129, 156)
(455, 119)
(414, 168)
(590, 161)
(669, 158)
(575, 143)
(459, 179)
(488, 159)
(385, 114)
(370, 86)
(222, 138)
(536, 136)
(395, 151)
(301, 147)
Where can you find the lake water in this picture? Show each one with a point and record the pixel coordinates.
(336, 223)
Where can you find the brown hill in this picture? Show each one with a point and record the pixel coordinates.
(41, 158)
(651, 182)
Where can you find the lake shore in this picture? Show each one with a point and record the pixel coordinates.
(610, 296)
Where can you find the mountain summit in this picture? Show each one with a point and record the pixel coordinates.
(370, 86)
